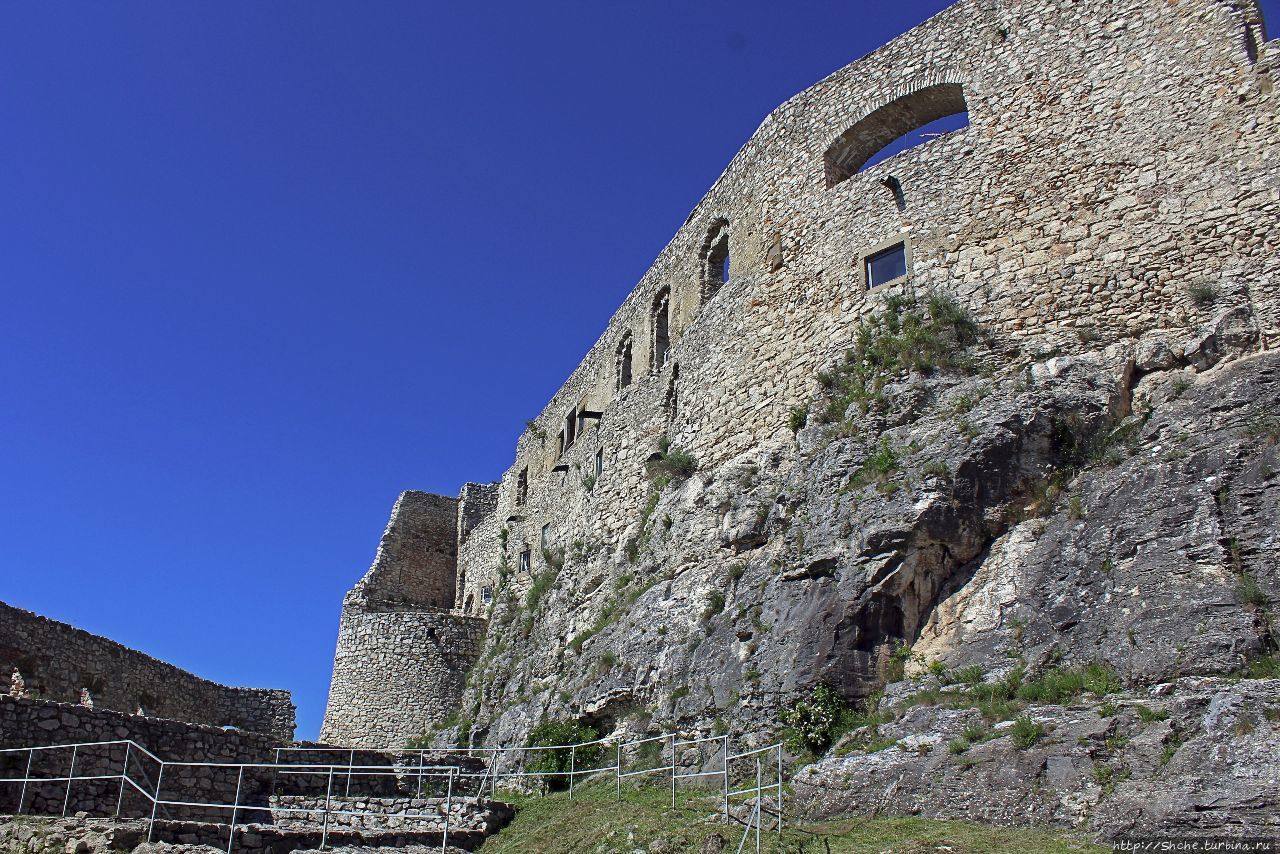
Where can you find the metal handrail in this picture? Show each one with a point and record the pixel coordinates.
(487, 776)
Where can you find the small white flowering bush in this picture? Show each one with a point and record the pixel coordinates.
(812, 723)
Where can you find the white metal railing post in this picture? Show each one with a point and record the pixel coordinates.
(420, 755)
(155, 802)
(497, 763)
(328, 793)
(351, 760)
(617, 768)
(235, 808)
(726, 779)
(779, 755)
(448, 808)
(22, 796)
(759, 802)
(124, 772)
(70, 774)
(673, 770)
(573, 765)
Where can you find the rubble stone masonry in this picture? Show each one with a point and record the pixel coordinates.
(1119, 154)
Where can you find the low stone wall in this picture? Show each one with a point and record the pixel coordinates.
(39, 723)
(57, 660)
(401, 814)
(106, 836)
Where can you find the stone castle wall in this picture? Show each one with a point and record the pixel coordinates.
(1119, 158)
(1116, 153)
(417, 557)
(397, 672)
(402, 656)
(57, 660)
(33, 723)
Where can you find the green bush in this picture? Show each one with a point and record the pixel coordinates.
(909, 335)
(715, 604)
(539, 588)
(797, 418)
(670, 464)
(1266, 667)
(554, 764)
(811, 724)
(1203, 293)
(1265, 428)
(1251, 593)
(1025, 733)
(971, 675)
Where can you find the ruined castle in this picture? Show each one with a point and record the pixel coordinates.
(1116, 158)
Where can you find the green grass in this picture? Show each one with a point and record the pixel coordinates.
(921, 335)
(595, 821)
(1064, 684)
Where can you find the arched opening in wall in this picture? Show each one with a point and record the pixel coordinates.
(914, 119)
(624, 362)
(661, 329)
(715, 259)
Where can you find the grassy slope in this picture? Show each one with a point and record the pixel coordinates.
(595, 822)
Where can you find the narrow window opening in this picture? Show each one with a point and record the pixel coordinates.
(661, 329)
(522, 486)
(886, 265)
(545, 542)
(672, 399)
(624, 362)
(715, 260)
(560, 445)
(524, 560)
(913, 119)
(1251, 44)
(570, 428)
(486, 595)
(599, 463)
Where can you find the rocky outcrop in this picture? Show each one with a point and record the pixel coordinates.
(1195, 756)
(1117, 507)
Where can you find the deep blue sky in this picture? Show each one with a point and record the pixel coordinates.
(265, 265)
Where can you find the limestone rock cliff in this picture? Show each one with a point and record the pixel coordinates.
(1114, 509)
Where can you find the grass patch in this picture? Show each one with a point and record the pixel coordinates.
(637, 544)
(670, 465)
(1251, 593)
(1264, 428)
(595, 821)
(1025, 733)
(909, 335)
(1265, 667)
(1064, 684)
(715, 604)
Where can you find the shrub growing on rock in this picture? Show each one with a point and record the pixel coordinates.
(813, 724)
(909, 335)
(554, 764)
